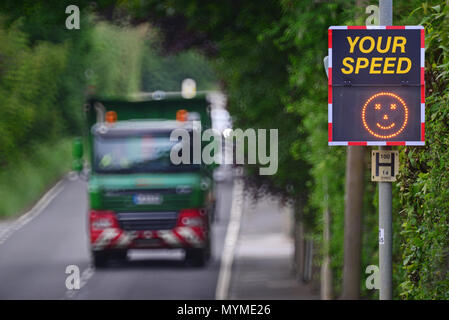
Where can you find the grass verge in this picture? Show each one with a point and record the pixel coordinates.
(23, 182)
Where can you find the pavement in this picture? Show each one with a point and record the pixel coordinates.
(263, 258)
(37, 248)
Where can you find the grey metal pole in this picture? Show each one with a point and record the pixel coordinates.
(385, 197)
(386, 12)
(386, 245)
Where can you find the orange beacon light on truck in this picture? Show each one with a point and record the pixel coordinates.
(111, 117)
(181, 115)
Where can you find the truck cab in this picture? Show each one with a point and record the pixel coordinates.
(138, 197)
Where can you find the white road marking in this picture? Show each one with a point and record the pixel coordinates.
(232, 234)
(38, 208)
(33, 213)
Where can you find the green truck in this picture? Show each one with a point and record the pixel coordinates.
(138, 198)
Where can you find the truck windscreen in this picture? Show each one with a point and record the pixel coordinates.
(136, 153)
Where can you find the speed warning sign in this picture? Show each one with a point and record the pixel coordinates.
(376, 85)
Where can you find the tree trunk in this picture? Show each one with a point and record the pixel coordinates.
(299, 249)
(326, 270)
(355, 161)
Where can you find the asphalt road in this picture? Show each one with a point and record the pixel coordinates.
(34, 258)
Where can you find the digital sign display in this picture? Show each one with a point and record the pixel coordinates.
(376, 85)
(386, 108)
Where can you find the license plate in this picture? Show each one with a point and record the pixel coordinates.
(147, 198)
(145, 243)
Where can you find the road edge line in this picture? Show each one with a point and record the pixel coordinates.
(36, 210)
(232, 234)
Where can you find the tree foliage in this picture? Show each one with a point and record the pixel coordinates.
(424, 182)
(46, 71)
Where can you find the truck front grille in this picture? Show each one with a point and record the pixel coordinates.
(136, 221)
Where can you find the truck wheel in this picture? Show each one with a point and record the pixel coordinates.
(100, 259)
(198, 257)
(119, 255)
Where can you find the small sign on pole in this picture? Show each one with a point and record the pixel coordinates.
(384, 165)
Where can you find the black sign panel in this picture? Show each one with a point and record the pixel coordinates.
(376, 86)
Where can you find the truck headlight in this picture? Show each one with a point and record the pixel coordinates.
(102, 219)
(102, 224)
(192, 221)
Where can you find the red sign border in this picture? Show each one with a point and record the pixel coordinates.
(423, 91)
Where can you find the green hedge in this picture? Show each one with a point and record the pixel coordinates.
(424, 180)
(42, 91)
(26, 179)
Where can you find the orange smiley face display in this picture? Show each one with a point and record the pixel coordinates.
(385, 115)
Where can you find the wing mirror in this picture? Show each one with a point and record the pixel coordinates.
(77, 153)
